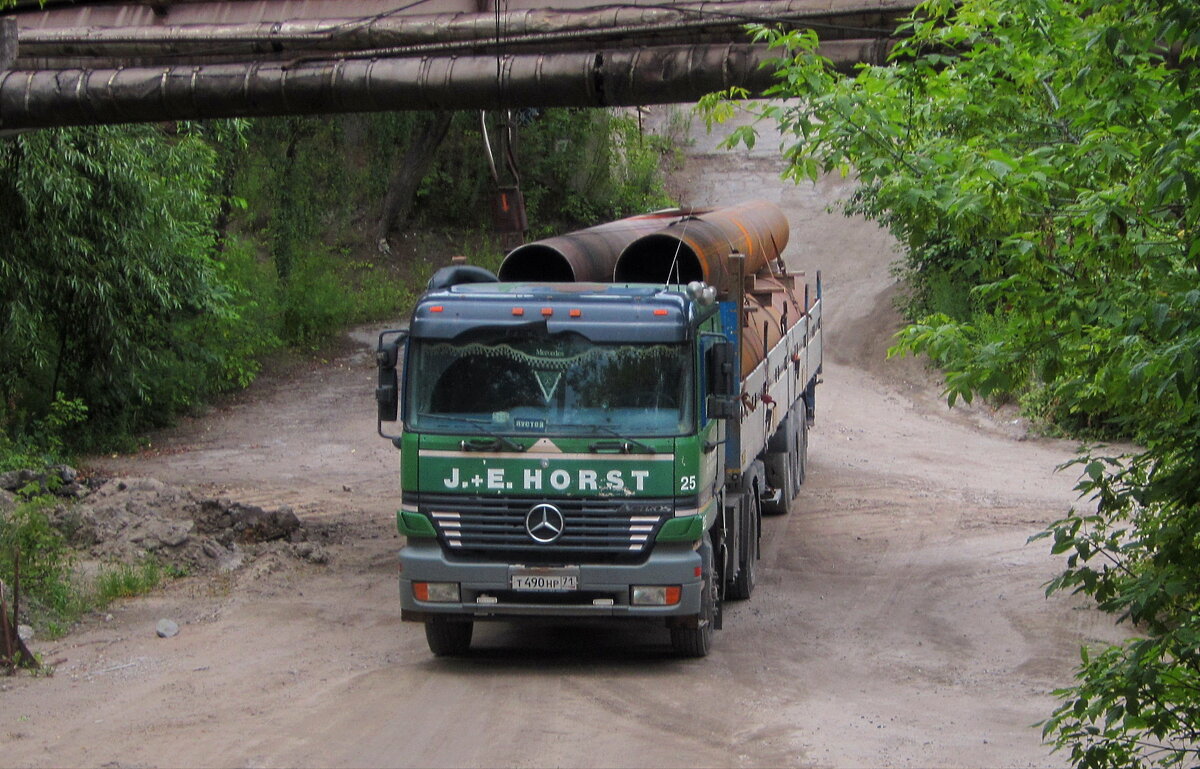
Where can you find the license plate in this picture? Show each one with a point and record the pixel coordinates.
(544, 580)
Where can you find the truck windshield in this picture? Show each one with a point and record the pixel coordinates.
(542, 384)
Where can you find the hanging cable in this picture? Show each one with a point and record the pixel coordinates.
(674, 268)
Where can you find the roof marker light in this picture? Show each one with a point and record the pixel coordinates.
(518, 311)
(576, 313)
(547, 311)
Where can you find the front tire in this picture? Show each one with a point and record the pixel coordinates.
(742, 586)
(448, 639)
(696, 641)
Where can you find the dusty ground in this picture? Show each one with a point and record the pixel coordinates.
(899, 619)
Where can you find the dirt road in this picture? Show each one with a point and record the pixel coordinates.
(899, 619)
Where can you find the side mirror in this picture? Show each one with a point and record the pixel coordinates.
(387, 388)
(722, 367)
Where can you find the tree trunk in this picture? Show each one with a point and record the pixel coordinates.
(415, 163)
(285, 236)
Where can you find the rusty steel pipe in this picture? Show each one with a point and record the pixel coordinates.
(698, 247)
(771, 304)
(587, 255)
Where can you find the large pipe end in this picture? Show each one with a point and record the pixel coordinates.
(658, 258)
(536, 262)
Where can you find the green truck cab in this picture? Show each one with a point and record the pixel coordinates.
(587, 450)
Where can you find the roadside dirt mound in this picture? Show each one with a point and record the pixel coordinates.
(128, 519)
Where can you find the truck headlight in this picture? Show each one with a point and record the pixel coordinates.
(437, 592)
(654, 595)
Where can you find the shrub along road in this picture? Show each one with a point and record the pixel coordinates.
(899, 618)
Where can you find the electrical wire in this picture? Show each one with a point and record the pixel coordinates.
(674, 268)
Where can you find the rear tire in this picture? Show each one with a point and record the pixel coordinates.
(742, 586)
(781, 465)
(696, 641)
(800, 453)
(448, 639)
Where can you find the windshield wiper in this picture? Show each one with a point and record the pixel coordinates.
(497, 441)
(622, 444)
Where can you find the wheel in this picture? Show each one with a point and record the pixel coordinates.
(696, 641)
(742, 586)
(781, 465)
(800, 453)
(448, 639)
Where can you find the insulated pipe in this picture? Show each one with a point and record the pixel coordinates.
(698, 247)
(40, 99)
(8, 42)
(138, 30)
(587, 255)
(660, 75)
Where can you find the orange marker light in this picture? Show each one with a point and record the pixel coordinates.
(547, 311)
(421, 591)
(673, 592)
(576, 313)
(518, 311)
(660, 312)
(436, 308)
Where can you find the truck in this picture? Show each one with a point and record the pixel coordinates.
(595, 432)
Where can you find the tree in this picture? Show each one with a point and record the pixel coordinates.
(406, 178)
(1041, 157)
(109, 243)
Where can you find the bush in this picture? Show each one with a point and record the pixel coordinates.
(46, 562)
(126, 581)
(53, 594)
(1042, 154)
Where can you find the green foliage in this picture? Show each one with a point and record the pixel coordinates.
(577, 166)
(149, 268)
(1139, 703)
(293, 173)
(1040, 156)
(109, 248)
(313, 185)
(127, 581)
(44, 444)
(46, 560)
(590, 166)
(53, 593)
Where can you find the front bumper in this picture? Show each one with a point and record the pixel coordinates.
(604, 589)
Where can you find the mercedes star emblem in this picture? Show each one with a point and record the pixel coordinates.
(544, 523)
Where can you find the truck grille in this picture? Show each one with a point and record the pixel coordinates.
(606, 529)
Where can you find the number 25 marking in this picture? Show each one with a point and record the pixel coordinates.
(687, 483)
